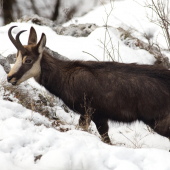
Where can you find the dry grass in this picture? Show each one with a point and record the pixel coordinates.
(30, 98)
(26, 97)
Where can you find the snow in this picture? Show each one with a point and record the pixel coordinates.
(128, 14)
(46, 8)
(26, 135)
(74, 48)
(21, 141)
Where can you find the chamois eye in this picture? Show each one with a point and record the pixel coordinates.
(28, 61)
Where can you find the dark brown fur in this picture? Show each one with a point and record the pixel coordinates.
(117, 91)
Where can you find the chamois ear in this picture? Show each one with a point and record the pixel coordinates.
(41, 43)
(32, 40)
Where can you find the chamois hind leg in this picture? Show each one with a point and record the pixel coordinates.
(84, 122)
(162, 127)
(102, 127)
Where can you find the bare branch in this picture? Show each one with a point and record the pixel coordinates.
(161, 9)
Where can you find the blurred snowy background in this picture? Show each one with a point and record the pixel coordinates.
(59, 11)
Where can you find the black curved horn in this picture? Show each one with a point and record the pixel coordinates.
(20, 46)
(11, 37)
(16, 42)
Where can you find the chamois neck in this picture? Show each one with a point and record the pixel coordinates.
(50, 73)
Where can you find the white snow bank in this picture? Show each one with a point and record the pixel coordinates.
(128, 14)
(21, 141)
(74, 48)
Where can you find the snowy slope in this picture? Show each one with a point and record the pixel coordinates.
(26, 136)
(128, 14)
(73, 47)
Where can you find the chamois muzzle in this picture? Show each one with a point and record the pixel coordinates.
(9, 78)
(16, 42)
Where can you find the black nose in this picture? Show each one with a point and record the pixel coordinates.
(9, 78)
(14, 83)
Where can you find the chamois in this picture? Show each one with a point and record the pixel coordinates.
(113, 91)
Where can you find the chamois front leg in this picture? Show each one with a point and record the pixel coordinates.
(102, 127)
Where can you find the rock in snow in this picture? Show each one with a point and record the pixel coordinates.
(5, 64)
(81, 30)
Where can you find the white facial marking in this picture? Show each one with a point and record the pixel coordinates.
(16, 66)
(13, 80)
(33, 72)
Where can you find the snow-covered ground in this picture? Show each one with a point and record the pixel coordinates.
(28, 141)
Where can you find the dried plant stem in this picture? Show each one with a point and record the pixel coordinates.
(128, 139)
(162, 10)
(90, 54)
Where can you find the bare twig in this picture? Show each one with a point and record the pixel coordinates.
(106, 26)
(162, 11)
(90, 54)
(128, 139)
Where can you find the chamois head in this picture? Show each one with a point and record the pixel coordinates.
(28, 57)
